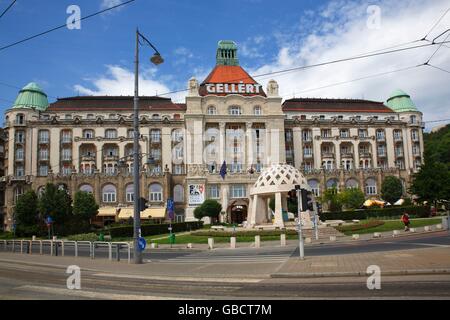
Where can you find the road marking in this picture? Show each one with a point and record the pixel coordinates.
(175, 278)
(92, 294)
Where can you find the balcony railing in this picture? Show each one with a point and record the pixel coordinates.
(365, 154)
(308, 155)
(327, 155)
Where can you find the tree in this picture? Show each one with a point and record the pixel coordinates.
(55, 202)
(332, 199)
(209, 208)
(391, 189)
(84, 206)
(432, 182)
(352, 198)
(26, 210)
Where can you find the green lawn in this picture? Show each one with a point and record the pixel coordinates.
(391, 225)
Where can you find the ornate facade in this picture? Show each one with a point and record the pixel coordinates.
(227, 121)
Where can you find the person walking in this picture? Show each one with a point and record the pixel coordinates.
(406, 221)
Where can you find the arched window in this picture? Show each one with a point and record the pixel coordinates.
(235, 111)
(129, 190)
(109, 193)
(212, 110)
(178, 193)
(257, 111)
(371, 186)
(351, 184)
(111, 134)
(87, 188)
(156, 192)
(88, 134)
(332, 183)
(315, 186)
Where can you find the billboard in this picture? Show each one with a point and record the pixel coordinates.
(196, 194)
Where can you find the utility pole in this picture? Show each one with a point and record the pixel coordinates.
(300, 232)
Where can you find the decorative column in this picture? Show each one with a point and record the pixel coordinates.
(222, 143)
(278, 211)
(249, 144)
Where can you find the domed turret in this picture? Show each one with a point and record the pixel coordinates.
(400, 101)
(33, 97)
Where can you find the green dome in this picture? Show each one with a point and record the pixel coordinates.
(400, 101)
(31, 96)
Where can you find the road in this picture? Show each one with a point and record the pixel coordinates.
(18, 281)
(268, 254)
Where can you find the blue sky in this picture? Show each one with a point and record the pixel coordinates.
(272, 35)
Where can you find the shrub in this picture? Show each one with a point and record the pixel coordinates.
(84, 237)
(154, 229)
(391, 212)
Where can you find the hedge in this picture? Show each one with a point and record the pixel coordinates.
(357, 227)
(394, 212)
(251, 233)
(154, 229)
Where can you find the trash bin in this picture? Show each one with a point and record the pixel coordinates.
(101, 237)
(172, 238)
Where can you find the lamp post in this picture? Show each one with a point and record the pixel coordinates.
(155, 59)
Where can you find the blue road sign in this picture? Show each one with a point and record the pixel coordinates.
(171, 208)
(49, 220)
(142, 244)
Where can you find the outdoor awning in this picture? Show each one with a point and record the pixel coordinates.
(106, 212)
(154, 213)
(126, 213)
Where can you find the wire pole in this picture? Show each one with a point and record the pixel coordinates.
(300, 232)
(137, 214)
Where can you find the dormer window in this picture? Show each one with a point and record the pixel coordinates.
(235, 111)
(212, 110)
(20, 119)
(156, 117)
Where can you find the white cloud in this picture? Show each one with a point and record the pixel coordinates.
(110, 3)
(120, 81)
(340, 30)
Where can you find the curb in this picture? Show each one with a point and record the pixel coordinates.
(357, 274)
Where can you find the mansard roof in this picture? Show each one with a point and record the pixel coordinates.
(335, 105)
(113, 103)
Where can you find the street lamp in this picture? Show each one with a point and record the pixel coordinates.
(157, 60)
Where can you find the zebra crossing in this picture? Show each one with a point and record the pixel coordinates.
(228, 257)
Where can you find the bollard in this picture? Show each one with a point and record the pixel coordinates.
(29, 246)
(427, 228)
(189, 245)
(56, 248)
(257, 241)
(13, 246)
(76, 249)
(93, 250)
(413, 230)
(21, 246)
(308, 240)
(62, 248)
(154, 245)
(118, 252)
(33, 238)
(233, 242)
(109, 251)
(40, 247)
(129, 253)
(211, 243)
(283, 239)
(333, 238)
(377, 235)
(396, 233)
(51, 248)
(355, 237)
(439, 227)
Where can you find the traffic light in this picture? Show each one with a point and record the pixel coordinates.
(142, 204)
(307, 200)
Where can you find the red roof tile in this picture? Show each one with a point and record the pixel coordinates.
(335, 105)
(114, 103)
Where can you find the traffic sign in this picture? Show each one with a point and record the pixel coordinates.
(142, 244)
(171, 208)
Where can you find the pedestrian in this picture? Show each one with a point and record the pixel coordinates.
(405, 220)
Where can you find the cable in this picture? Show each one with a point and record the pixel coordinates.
(435, 25)
(440, 46)
(437, 68)
(64, 25)
(434, 121)
(358, 79)
(6, 10)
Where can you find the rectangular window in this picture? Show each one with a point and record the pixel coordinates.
(20, 171)
(326, 133)
(344, 133)
(19, 154)
(43, 154)
(111, 134)
(130, 196)
(238, 191)
(213, 191)
(178, 169)
(109, 197)
(363, 133)
(66, 171)
(155, 136)
(66, 154)
(66, 137)
(43, 170)
(44, 136)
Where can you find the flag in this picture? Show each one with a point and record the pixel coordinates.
(223, 170)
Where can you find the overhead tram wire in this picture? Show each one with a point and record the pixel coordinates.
(7, 9)
(358, 79)
(64, 25)
(438, 68)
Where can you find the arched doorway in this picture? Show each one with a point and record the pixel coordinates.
(238, 211)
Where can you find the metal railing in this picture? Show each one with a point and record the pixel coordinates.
(61, 247)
